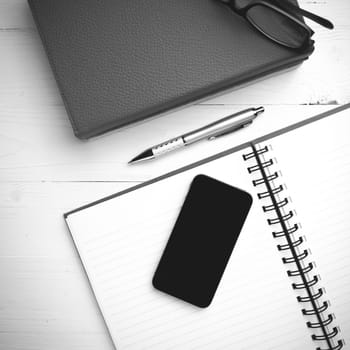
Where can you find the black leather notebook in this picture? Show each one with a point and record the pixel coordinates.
(117, 62)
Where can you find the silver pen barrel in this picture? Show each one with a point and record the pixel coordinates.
(212, 130)
(223, 125)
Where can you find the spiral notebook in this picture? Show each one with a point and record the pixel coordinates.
(287, 283)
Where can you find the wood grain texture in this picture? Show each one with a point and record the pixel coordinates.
(45, 299)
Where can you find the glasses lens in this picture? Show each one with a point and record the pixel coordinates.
(277, 26)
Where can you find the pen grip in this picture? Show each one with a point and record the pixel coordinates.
(168, 146)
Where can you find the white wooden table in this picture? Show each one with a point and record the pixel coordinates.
(45, 299)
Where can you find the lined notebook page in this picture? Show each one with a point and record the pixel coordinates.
(121, 240)
(315, 164)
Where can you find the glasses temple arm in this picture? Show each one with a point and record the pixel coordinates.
(318, 19)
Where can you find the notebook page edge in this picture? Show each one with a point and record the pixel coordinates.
(213, 157)
(304, 165)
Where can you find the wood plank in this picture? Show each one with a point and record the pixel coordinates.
(40, 146)
(14, 15)
(45, 298)
(46, 303)
(31, 215)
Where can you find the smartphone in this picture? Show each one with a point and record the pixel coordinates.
(202, 240)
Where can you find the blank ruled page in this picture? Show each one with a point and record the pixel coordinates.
(315, 164)
(120, 242)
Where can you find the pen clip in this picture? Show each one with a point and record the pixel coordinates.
(229, 131)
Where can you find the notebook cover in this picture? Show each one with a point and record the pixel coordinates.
(118, 62)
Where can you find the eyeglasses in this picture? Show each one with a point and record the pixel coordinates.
(280, 21)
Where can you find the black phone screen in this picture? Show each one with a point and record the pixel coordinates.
(202, 240)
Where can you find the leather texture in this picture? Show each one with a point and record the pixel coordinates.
(117, 62)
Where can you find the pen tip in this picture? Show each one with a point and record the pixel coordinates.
(148, 154)
(259, 110)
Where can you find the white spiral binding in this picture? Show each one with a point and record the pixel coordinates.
(279, 216)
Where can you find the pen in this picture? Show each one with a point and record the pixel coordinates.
(211, 131)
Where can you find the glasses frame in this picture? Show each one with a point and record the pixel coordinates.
(242, 11)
